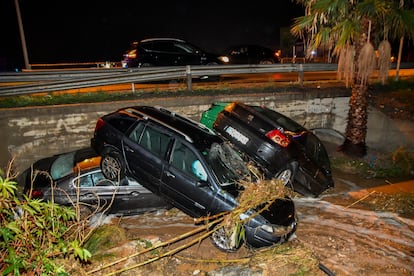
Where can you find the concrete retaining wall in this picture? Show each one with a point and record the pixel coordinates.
(32, 133)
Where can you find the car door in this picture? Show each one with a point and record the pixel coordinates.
(93, 189)
(186, 181)
(145, 149)
(187, 54)
(239, 55)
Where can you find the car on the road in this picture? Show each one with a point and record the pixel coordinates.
(273, 141)
(166, 52)
(189, 165)
(75, 177)
(250, 54)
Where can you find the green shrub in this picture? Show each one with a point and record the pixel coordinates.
(33, 234)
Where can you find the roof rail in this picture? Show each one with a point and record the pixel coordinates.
(149, 117)
(188, 120)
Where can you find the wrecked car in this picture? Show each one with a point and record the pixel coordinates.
(275, 143)
(75, 177)
(187, 164)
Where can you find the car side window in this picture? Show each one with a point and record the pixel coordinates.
(164, 46)
(154, 141)
(183, 48)
(84, 181)
(136, 133)
(92, 180)
(100, 180)
(184, 159)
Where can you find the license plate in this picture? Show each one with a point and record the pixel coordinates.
(237, 135)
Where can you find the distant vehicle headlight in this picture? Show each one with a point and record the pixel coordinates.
(224, 59)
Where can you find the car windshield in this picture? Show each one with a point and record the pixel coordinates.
(62, 166)
(226, 164)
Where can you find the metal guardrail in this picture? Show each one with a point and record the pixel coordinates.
(47, 81)
(70, 79)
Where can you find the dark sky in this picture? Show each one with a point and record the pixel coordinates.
(90, 30)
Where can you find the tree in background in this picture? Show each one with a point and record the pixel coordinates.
(351, 28)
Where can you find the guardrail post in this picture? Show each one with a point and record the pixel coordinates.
(189, 78)
(301, 75)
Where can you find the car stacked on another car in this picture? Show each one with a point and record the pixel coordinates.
(75, 178)
(250, 54)
(189, 165)
(166, 52)
(274, 142)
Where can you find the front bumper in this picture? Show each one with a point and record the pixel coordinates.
(258, 237)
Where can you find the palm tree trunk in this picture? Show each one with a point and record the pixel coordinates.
(356, 129)
(397, 70)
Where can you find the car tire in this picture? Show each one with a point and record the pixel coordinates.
(223, 241)
(287, 174)
(112, 166)
(146, 64)
(266, 61)
(85, 212)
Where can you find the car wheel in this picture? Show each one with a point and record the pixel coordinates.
(85, 212)
(286, 175)
(112, 166)
(146, 64)
(266, 61)
(224, 240)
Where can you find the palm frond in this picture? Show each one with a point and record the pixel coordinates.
(366, 63)
(384, 55)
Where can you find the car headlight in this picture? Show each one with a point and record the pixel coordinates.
(278, 229)
(224, 59)
(267, 228)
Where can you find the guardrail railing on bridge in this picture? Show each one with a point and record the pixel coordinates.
(73, 79)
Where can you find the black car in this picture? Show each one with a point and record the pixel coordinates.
(75, 177)
(166, 52)
(189, 165)
(250, 54)
(273, 141)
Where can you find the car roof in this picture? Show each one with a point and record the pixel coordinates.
(192, 131)
(250, 46)
(161, 39)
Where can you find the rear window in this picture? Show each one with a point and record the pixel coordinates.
(281, 120)
(121, 123)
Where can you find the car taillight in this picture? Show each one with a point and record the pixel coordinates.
(37, 194)
(132, 54)
(278, 137)
(100, 123)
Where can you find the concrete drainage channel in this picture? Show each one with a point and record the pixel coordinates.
(29, 134)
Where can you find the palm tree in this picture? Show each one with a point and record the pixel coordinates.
(401, 18)
(350, 26)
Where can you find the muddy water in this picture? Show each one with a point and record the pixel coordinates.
(347, 239)
(357, 242)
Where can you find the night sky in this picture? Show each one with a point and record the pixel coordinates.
(76, 31)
